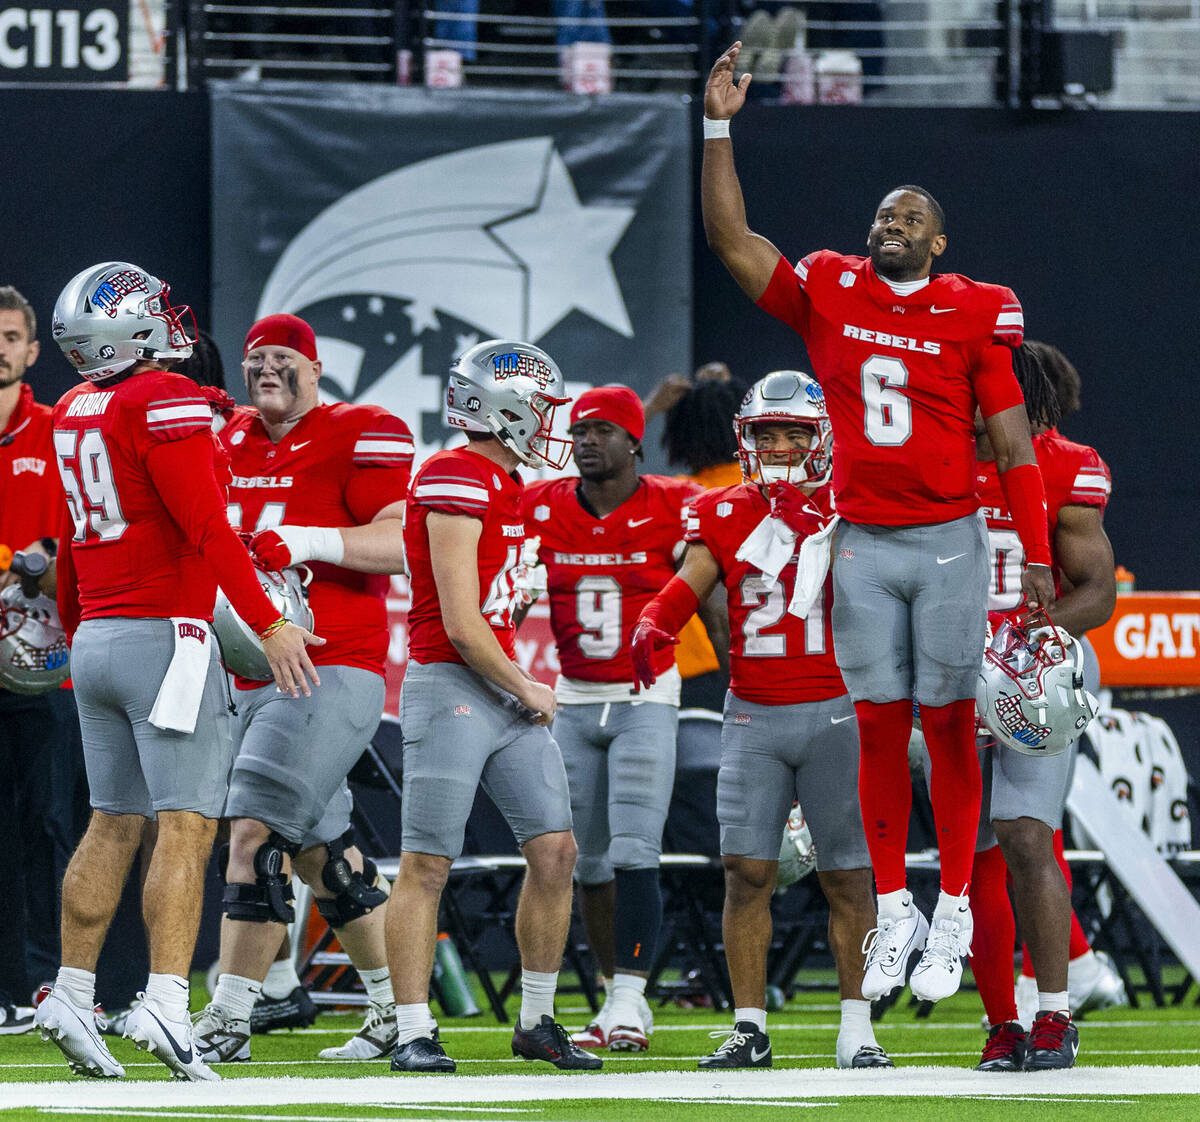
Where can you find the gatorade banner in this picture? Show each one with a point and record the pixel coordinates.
(1152, 639)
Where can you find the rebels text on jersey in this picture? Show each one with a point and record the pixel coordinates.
(603, 571)
(461, 482)
(339, 466)
(128, 551)
(775, 658)
(1074, 474)
(902, 376)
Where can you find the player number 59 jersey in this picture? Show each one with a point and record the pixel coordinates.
(775, 658)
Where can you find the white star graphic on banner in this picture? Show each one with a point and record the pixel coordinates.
(565, 247)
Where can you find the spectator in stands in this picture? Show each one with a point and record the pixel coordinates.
(40, 754)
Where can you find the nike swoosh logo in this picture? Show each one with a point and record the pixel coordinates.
(947, 560)
(935, 311)
(302, 444)
(756, 1055)
(181, 1055)
(588, 412)
(840, 720)
(634, 524)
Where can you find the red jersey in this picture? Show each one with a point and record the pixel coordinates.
(138, 462)
(460, 481)
(775, 658)
(31, 495)
(339, 466)
(603, 571)
(1073, 474)
(902, 376)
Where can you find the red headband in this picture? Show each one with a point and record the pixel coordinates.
(282, 330)
(618, 404)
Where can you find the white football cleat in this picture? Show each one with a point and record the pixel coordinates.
(939, 972)
(888, 948)
(150, 1028)
(1094, 984)
(74, 1030)
(220, 1038)
(373, 1041)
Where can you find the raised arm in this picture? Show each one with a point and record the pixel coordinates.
(750, 258)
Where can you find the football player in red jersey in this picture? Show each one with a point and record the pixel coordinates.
(322, 486)
(1025, 796)
(789, 730)
(904, 358)
(144, 540)
(470, 715)
(609, 541)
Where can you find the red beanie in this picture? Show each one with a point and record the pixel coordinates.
(282, 330)
(618, 404)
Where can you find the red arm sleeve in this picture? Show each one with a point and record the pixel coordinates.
(996, 387)
(1025, 495)
(183, 474)
(67, 584)
(672, 607)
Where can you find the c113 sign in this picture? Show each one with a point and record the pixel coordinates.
(66, 41)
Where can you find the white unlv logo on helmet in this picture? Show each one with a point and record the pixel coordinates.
(492, 238)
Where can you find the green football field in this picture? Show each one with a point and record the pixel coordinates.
(1141, 1064)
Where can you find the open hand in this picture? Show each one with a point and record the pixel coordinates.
(723, 97)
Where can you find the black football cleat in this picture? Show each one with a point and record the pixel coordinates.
(1005, 1048)
(1053, 1043)
(871, 1055)
(421, 1054)
(744, 1046)
(551, 1042)
(294, 1011)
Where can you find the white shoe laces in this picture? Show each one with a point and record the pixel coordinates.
(881, 944)
(945, 945)
(734, 1038)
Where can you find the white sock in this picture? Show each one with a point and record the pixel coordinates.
(78, 985)
(169, 991)
(413, 1021)
(757, 1017)
(625, 1005)
(855, 1029)
(379, 986)
(1053, 1003)
(950, 907)
(236, 995)
(537, 997)
(281, 979)
(895, 905)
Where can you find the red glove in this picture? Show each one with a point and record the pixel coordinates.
(219, 401)
(293, 545)
(646, 641)
(269, 551)
(794, 508)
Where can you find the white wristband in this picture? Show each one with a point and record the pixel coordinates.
(713, 130)
(313, 543)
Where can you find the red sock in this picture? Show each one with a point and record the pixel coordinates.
(994, 938)
(956, 788)
(885, 787)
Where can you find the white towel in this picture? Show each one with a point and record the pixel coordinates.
(769, 547)
(178, 702)
(811, 569)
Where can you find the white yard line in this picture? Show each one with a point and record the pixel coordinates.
(803, 1084)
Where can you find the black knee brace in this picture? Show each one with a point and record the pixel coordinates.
(354, 894)
(269, 899)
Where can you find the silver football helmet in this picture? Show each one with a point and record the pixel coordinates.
(241, 650)
(115, 314)
(1030, 691)
(34, 654)
(788, 397)
(510, 390)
